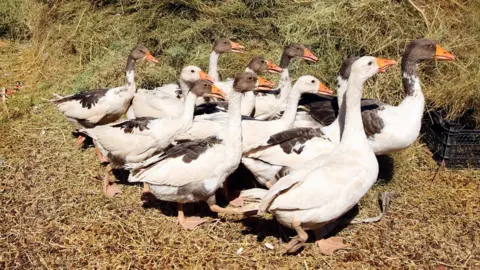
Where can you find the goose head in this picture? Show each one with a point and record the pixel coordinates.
(141, 52)
(224, 45)
(259, 64)
(312, 85)
(191, 74)
(205, 88)
(426, 49)
(248, 81)
(367, 66)
(296, 50)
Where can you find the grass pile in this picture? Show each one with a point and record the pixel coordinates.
(54, 215)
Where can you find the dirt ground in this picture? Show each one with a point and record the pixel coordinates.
(55, 216)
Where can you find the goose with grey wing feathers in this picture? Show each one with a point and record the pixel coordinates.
(133, 141)
(193, 171)
(103, 106)
(392, 128)
(318, 193)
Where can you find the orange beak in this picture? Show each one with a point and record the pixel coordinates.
(383, 64)
(264, 84)
(218, 92)
(205, 76)
(273, 68)
(308, 55)
(442, 54)
(323, 89)
(2, 43)
(149, 57)
(237, 48)
(9, 91)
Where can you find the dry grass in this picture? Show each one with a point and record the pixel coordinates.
(54, 215)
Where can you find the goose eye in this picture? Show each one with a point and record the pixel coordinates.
(263, 61)
(192, 71)
(224, 42)
(313, 81)
(370, 63)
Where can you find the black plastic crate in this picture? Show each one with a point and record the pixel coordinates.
(457, 143)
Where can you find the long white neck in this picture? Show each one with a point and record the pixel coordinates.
(290, 112)
(184, 87)
(233, 136)
(130, 75)
(353, 136)
(285, 85)
(213, 66)
(188, 110)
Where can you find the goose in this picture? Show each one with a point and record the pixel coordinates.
(318, 193)
(103, 106)
(393, 128)
(257, 65)
(194, 170)
(159, 103)
(269, 106)
(134, 141)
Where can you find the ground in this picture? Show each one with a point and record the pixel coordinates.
(55, 216)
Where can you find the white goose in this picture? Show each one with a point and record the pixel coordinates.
(269, 106)
(193, 171)
(103, 106)
(393, 128)
(134, 141)
(322, 191)
(159, 103)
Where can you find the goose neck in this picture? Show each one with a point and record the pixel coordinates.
(410, 80)
(285, 84)
(213, 66)
(233, 136)
(188, 110)
(185, 87)
(353, 135)
(290, 112)
(130, 74)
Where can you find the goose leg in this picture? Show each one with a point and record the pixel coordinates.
(100, 156)
(236, 211)
(298, 241)
(110, 189)
(188, 223)
(146, 188)
(330, 245)
(80, 140)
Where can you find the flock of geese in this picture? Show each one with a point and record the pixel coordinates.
(313, 153)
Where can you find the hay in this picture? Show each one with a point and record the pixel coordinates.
(53, 214)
